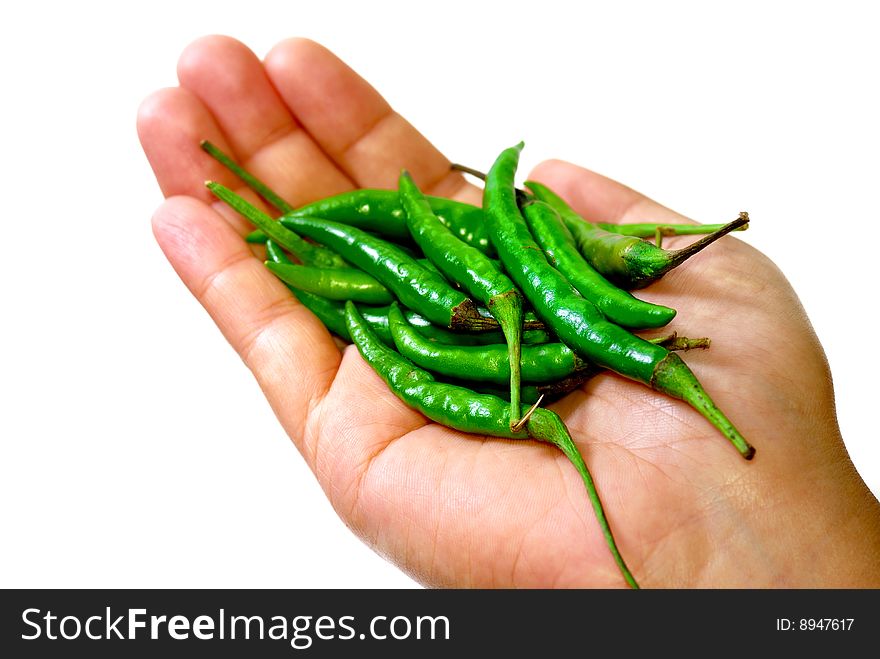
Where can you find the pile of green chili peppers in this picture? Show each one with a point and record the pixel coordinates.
(475, 315)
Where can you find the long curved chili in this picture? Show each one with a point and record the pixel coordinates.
(481, 277)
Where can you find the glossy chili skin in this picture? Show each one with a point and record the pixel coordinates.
(558, 244)
(468, 411)
(481, 277)
(414, 285)
(575, 320)
(542, 363)
(333, 284)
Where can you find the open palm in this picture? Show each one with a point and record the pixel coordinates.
(459, 510)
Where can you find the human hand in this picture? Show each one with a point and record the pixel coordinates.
(456, 510)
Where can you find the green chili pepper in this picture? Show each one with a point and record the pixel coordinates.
(559, 246)
(306, 252)
(545, 362)
(479, 276)
(334, 284)
(464, 410)
(577, 321)
(627, 261)
(414, 285)
(380, 211)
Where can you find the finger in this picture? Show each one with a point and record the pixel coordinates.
(354, 125)
(601, 199)
(289, 351)
(263, 135)
(171, 123)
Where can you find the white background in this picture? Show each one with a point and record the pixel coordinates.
(136, 448)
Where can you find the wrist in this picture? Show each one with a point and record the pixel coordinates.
(813, 524)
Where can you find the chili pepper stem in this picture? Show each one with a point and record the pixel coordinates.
(682, 343)
(519, 425)
(476, 173)
(644, 263)
(466, 317)
(506, 308)
(649, 230)
(672, 376)
(249, 179)
(550, 428)
(680, 255)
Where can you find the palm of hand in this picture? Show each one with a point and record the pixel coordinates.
(454, 509)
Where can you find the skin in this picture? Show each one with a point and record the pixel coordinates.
(457, 510)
